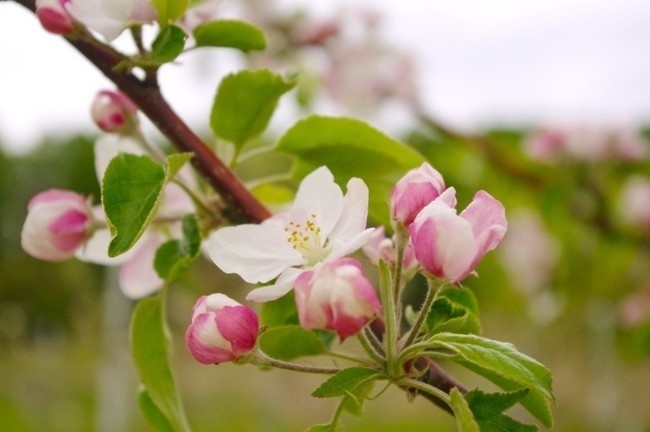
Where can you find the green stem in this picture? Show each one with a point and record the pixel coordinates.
(260, 359)
(369, 347)
(390, 319)
(432, 291)
(350, 358)
(423, 387)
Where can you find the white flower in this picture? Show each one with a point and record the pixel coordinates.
(110, 17)
(322, 225)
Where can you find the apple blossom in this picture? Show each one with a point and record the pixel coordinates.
(449, 246)
(110, 17)
(221, 330)
(322, 225)
(57, 224)
(113, 111)
(54, 17)
(415, 190)
(336, 296)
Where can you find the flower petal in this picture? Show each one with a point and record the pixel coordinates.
(138, 278)
(318, 194)
(240, 326)
(257, 253)
(282, 285)
(487, 217)
(354, 214)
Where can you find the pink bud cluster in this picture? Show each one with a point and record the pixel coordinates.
(57, 224)
(447, 245)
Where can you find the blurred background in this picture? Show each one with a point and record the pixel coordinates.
(546, 105)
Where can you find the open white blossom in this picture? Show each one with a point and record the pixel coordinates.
(110, 17)
(322, 225)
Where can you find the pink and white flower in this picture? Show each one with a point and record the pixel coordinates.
(415, 190)
(221, 330)
(114, 112)
(57, 224)
(336, 296)
(110, 17)
(449, 246)
(54, 17)
(322, 225)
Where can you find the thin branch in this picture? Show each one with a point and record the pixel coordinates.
(241, 205)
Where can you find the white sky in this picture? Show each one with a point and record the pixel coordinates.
(481, 62)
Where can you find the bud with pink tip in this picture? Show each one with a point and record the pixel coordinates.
(336, 296)
(54, 17)
(114, 112)
(415, 190)
(379, 247)
(222, 330)
(449, 246)
(56, 225)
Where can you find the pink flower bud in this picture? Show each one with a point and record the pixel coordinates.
(336, 296)
(113, 111)
(56, 225)
(54, 17)
(415, 190)
(222, 330)
(380, 247)
(449, 246)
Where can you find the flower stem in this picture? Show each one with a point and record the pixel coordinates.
(260, 359)
(390, 319)
(423, 387)
(434, 287)
(369, 347)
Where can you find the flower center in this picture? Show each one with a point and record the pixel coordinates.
(306, 238)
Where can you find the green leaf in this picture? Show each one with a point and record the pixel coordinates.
(131, 193)
(244, 104)
(169, 10)
(454, 311)
(351, 148)
(279, 312)
(502, 364)
(154, 416)
(149, 347)
(174, 257)
(464, 416)
(345, 382)
(488, 411)
(289, 342)
(353, 401)
(322, 428)
(168, 44)
(230, 34)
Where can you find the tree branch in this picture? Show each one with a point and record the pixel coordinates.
(241, 205)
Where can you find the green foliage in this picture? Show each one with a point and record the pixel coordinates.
(169, 10)
(464, 417)
(174, 257)
(488, 411)
(131, 193)
(230, 34)
(289, 342)
(351, 148)
(345, 382)
(168, 44)
(244, 104)
(502, 364)
(154, 416)
(149, 348)
(279, 312)
(455, 311)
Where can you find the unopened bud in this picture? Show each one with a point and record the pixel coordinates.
(54, 17)
(114, 112)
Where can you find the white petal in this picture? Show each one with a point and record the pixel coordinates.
(95, 250)
(282, 285)
(318, 194)
(257, 253)
(138, 277)
(342, 247)
(110, 145)
(354, 214)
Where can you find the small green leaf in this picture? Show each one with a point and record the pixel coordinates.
(502, 364)
(154, 416)
(464, 416)
(351, 148)
(454, 311)
(168, 44)
(174, 257)
(230, 34)
(488, 411)
(131, 193)
(345, 382)
(289, 342)
(353, 401)
(149, 347)
(279, 312)
(244, 104)
(169, 10)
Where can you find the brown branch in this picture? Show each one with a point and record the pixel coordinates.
(241, 205)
